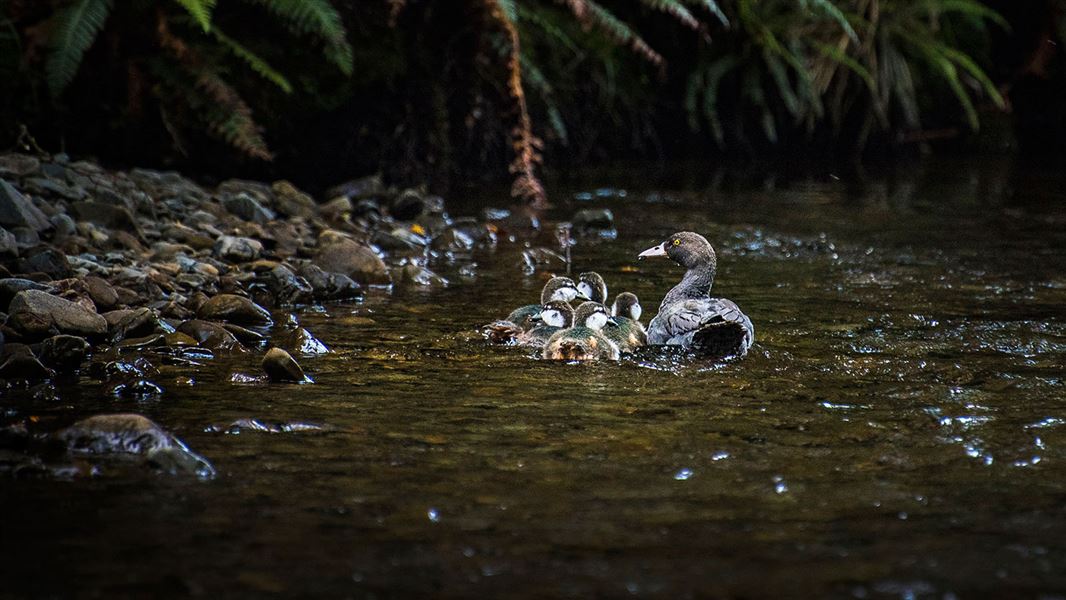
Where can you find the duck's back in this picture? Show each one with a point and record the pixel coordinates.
(714, 326)
(628, 335)
(580, 343)
(523, 316)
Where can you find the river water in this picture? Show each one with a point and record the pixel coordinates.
(897, 431)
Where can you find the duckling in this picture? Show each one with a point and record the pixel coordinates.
(506, 331)
(584, 341)
(553, 318)
(592, 287)
(627, 333)
(689, 316)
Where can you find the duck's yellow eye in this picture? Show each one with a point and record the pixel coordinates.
(677, 242)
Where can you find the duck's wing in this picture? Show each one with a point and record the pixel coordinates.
(713, 326)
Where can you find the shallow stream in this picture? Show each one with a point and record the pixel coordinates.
(898, 430)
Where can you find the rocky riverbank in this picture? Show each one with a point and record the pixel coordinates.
(108, 273)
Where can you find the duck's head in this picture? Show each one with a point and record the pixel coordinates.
(556, 314)
(626, 304)
(558, 289)
(690, 250)
(592, 315)
(591, 286)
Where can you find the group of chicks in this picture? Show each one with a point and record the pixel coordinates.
(589, 332)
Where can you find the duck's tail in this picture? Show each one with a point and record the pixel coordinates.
(502, 332)
(721, 339)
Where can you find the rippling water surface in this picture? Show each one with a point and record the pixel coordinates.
(898, 430)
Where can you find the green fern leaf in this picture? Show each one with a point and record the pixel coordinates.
(318, 18)
(833, 12)
(713, 8)
(257, 63)
(199, 10)
(75, 31)
(675, 9)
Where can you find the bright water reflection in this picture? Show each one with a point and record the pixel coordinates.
(899, 429)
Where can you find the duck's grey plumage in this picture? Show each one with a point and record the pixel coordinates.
(688, 316)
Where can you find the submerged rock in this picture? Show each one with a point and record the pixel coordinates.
(210, 335)
(593, 218)
(234, 309)
(280, 366)
(328, 286)
(133, 434)
(34, 311)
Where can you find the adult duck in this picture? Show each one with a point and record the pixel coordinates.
(688, 315)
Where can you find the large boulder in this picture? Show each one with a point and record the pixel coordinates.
(34, 311)
(354, 260)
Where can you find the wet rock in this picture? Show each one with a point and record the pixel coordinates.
(18, 165)
(16, 210)
(237, 249)
(408, 205)
(106, 215)
(13, 285)
(354, 260)
(328, 286)
(64, 353)
(413, 274)
(246, 207)
(453, 240)
(9, 244)
(593, 218)
(234, 309)
(49, 261)
(149, 341)
(34, 306)
(135, 389)
(245, 336)
(63, 225)
(25, 238)
(367, 209)
(543, 259)
(210, 335)
(287, 287)
(136, 435)
(197, 240)
(263, 426)
(335, 207)
(23, 366)
(291, 202)
(399, 239)
(102, 293)
(179, 339)
(120, 370)
(356, 189)
(135, 322)
(280, 366)
(307, 344)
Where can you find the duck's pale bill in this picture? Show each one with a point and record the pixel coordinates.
(659, 250)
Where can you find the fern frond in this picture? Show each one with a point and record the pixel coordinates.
(200, 10)
(253, 60)
(833, 12)
(712, 7)
(318, 18)
(675, 9)
(230, 118)
(591, 14)
(75, 31)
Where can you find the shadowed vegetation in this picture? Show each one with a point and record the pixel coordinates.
(434, 88)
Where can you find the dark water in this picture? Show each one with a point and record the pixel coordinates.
(898, 431)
